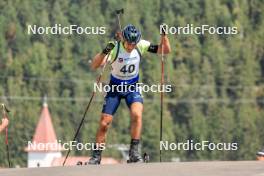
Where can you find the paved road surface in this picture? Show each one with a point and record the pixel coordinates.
(216, 168)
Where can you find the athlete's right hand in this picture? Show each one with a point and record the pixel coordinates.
(108, 48)
(4, 122)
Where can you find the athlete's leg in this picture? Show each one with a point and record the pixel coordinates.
(136, 110)
(104, 124)
(111, 104)
(135, 104)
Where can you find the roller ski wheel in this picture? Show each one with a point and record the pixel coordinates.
(79, 163)
(144, 159)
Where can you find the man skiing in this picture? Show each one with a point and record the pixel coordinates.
(124, 57)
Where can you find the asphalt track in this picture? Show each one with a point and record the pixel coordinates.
(213, 168)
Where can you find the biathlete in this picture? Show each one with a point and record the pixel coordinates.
(124, 57)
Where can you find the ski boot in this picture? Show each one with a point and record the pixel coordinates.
(96, 158)
(134, 155)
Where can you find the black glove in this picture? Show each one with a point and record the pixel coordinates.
(108, 48)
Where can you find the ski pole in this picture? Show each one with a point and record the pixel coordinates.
(5, 111)
(118, 12)
(161, 94)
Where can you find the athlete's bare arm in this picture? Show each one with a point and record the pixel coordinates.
(98, 60)
(4, 124)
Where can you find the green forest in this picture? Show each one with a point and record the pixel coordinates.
(217, 80)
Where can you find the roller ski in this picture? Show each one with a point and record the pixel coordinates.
(139, 159)
(134, 154)
(79, 163)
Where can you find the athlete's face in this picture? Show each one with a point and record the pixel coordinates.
(129, 46)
